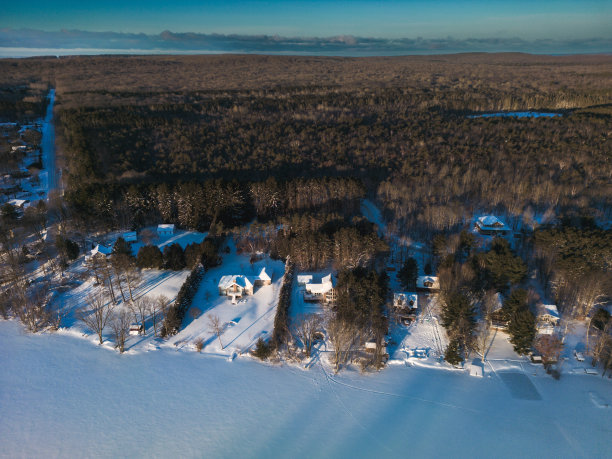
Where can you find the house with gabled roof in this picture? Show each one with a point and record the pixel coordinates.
(324, 291)
(166, 229)
(428, 283)
(490, 225)
(238, 285)
(100, 251)
(548, 318)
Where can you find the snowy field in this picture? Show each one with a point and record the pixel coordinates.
(60, 398)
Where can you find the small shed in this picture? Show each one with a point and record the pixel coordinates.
(428, 283)
(130, 236)
(136, 329)
(166, 229)
(262, 278)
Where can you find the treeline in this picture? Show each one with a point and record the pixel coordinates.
(209, 205)
(316, 241)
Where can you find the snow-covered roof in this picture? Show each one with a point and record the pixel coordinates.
(263, 275)
(166, 226)
(304, 278)
(404, 299)
(327, 283)
(18, 202)
(101, 249)
(130, 236)
(240, 280)
(422, 280)
(550, 310)
(491, 222)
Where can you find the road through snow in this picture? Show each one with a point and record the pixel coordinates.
(48, 145)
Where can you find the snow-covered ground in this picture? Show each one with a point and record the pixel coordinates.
(59, 398)
(243, 323)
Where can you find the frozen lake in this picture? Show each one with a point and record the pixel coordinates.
(61, 396)
(517, 115)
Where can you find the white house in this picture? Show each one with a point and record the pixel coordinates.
(405, 305)
(100, 250)
(490, 225)
(130, 236)
(166, 229)
(548, 318)
(324, 291)
(238, 285)
(235, 286)
(428, 283)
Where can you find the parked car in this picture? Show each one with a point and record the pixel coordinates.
(579, 356)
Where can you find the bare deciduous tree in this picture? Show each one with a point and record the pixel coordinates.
(141, 308)
(344, 337)
(306, 328)
(549, 347)
(96, 314)
(158, 310)
(120, 324)
(31, 306)
(214, 324)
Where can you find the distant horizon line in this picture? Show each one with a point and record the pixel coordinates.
(25, 53)
(23, 42)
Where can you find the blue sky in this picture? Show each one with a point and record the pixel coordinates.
(529, 20)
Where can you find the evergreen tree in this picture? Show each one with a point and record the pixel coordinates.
(174, 257)
(122, 247)
(452, 354)
(522, 330)
(149, 256)
(408, 274)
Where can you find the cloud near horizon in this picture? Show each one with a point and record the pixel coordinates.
(345, 45)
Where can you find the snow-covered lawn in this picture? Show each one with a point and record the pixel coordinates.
(59, 398)
(243, 323)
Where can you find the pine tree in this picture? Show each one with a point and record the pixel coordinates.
(452, 354)
(408, 274)
(522, 330)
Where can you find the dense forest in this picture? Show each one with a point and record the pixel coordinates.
(400, 124)
(282, 150)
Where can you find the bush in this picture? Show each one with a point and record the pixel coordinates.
(149, 256)
(199, 345)
(262, 350)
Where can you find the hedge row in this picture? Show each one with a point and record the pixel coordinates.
(281, 320)
(176, 312)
